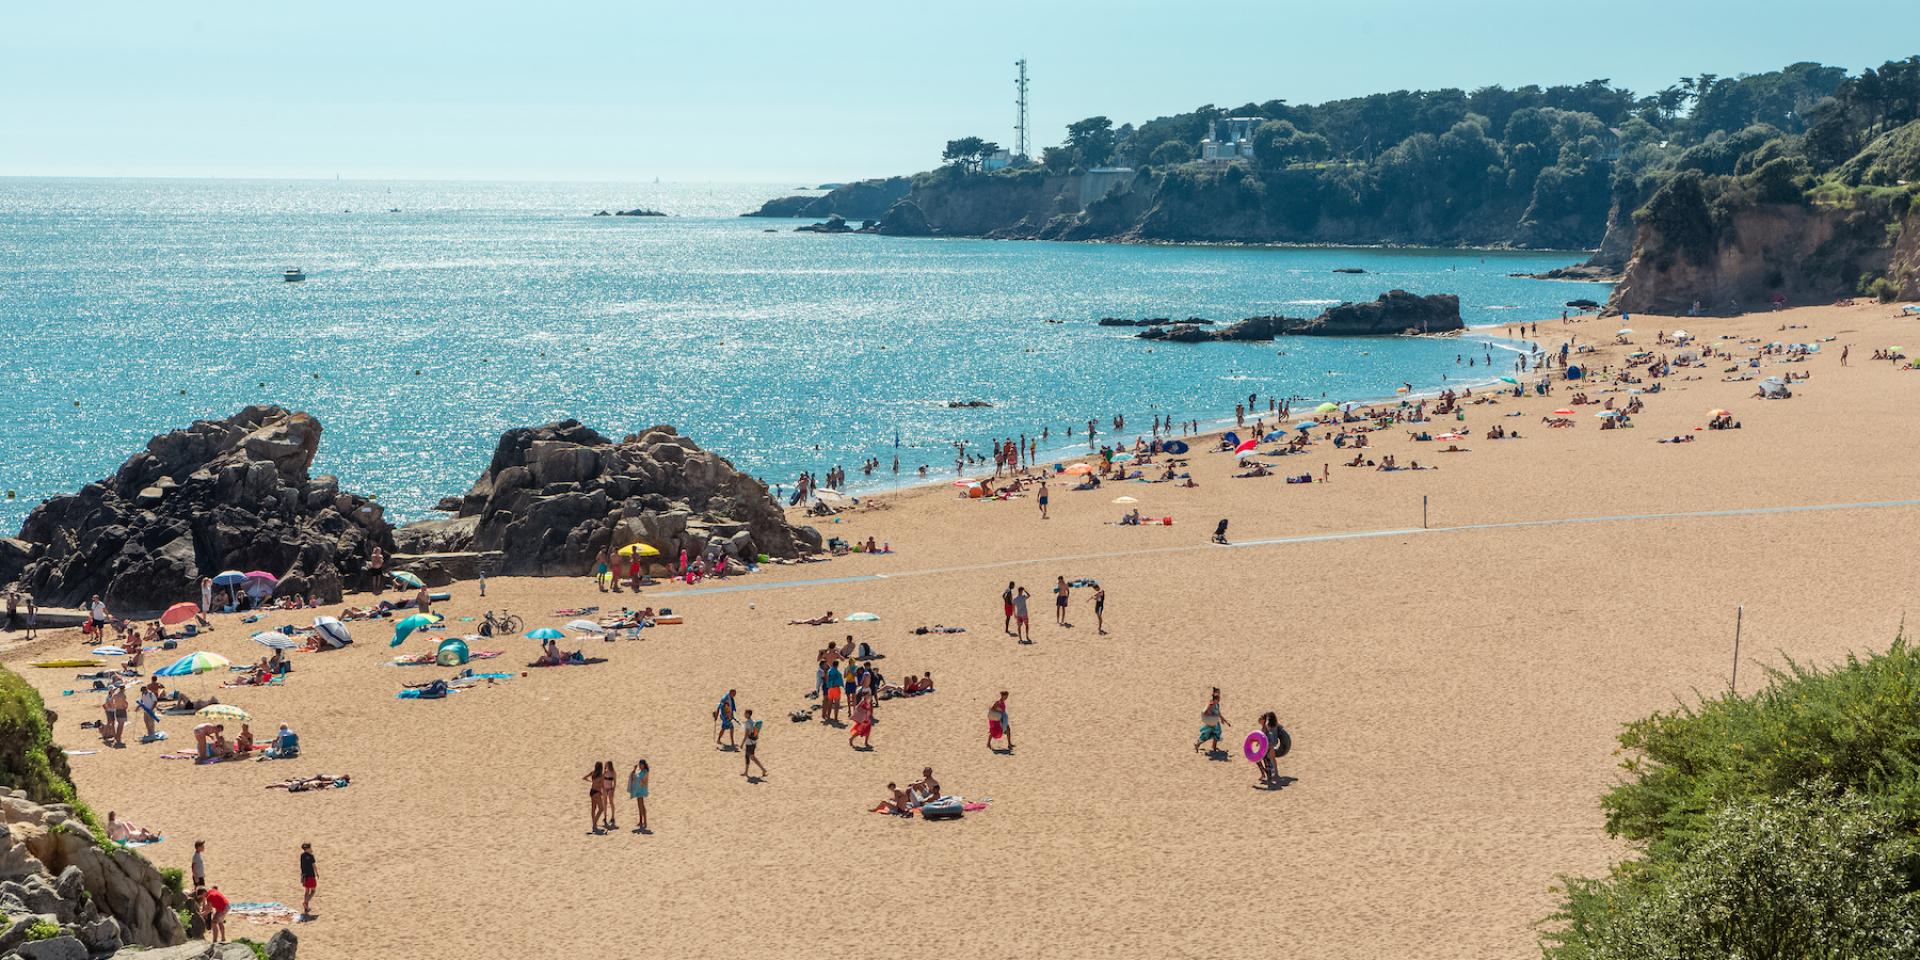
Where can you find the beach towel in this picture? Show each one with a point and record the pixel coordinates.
(570, 662)
(123, 844)
(179, 755)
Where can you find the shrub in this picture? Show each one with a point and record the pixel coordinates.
(42, 930)
(29, 759)
(176, 879)
(1779, 824)
(259, 949)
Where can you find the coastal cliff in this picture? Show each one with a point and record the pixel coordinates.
(860, 200)
(1730, 257)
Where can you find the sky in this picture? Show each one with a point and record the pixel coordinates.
(749, 91)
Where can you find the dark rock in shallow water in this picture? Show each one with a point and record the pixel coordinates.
(230, 494)
(834, 224)
(1395, 312)
(1584, 304)
(1348, 270)
(554, 495)
(638, 212)
(1151, 322)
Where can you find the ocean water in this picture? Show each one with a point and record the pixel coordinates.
(437, 315)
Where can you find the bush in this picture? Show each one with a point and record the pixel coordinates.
(259, 949)
(42, 930)
(29, 759)
(1780, 824)
(176, 879)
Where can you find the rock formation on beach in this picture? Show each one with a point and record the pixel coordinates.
(905, 219)
(230, 494)
(1394, 313)
(554, 495)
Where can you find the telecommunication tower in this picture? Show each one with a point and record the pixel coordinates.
(1020, 121)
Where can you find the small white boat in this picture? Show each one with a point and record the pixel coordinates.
(293, 275)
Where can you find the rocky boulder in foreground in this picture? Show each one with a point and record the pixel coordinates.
(554, 495)
(230, 494)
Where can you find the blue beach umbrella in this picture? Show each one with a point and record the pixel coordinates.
(1175, 446)
(545, 633)
(229, 578)
(1304, 426)
(410, 624)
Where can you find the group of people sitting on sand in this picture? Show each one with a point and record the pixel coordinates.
(903, 802)
(211, 744)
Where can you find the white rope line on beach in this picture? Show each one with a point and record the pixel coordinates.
(1303, 538)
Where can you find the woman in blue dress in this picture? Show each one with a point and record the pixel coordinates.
(637, 789)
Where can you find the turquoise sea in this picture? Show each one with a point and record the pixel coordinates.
(437, 315)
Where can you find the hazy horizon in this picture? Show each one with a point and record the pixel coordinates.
(597, 91)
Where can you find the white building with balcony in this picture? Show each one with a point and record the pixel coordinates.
(1230, 139)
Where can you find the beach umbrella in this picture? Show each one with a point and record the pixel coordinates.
(1305, 426)
(862, 616)
(180, 613)
(1175, 446)
(1077, 470)
(1327, 407)
(224, 711)
(545, 633)
(1122, 457)
(1719, 412)
(276, 640)
(586, 626)
(263, 576)
(228, 578)
(333, 630)
(964, 482)
(1399, 389)
(1125, 500)
(1276, 435)
(1451, 436)
(832, 498)
(640, 550)
(408, 579)
(1624, 331)
(1563, 412)
(109, 652)
(196, 662)
(1608, 413)
(1245, 447)
(1510, 380)
(410, 624)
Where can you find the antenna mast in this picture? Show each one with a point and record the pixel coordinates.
(1020, 122)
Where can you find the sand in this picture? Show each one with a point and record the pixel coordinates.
(1453, 694)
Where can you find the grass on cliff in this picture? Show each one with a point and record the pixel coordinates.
(1785, 823)
(29, 759)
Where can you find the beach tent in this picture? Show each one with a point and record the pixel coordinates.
(1911, 308)
(452, 653)
(1230, 438)
(1175, 446)
(332, 632)
(1574, 372)
(410, 624)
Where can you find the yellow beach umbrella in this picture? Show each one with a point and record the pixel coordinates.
(639, 550)
(225, 711)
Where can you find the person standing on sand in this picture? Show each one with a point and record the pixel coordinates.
(1022, 628)
(601, 568)
(1212, 723)
(309, 879)
(998, 726)
(724, 714)
(1060, 593)
(33, 616)
(637, 789)
(216, 913)
(206, 594)
(862, 719)
(1100, 608)
(751, 747)
(1043, 500)
(608, 779)
(198, 868)
(593, 795)
(1006, 607)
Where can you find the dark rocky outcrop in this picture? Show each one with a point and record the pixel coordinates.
(554, 495)
(905, 219)
(1396, 312)
(833, 224)
(862, 200)
(218, 495)
(1151, 322)
(638, 212)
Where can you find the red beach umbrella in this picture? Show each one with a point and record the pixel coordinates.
(180, 613)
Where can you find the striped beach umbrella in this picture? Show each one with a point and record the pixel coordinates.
(199, 661)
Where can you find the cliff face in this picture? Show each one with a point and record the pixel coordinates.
(1805, 254)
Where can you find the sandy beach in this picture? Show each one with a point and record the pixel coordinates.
(1453, 694)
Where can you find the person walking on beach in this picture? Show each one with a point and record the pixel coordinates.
(1212, 724)
(1022, 628)
(751, 745)
(309, 879)
(723, 714)
(1100, 608)
(1006, 607)
(1060, 593)
(998, 726)
(1043, 500)
(862, 719)
(637, 789)
(601, 570)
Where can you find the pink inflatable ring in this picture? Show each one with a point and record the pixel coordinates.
(1256, 747)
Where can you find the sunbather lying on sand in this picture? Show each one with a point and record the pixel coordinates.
(319, 781)
(819, 621)
(120, 831)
